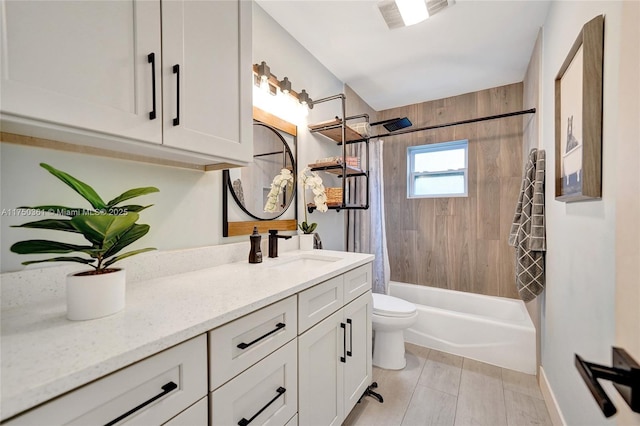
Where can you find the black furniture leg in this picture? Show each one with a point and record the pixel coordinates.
(370, 392)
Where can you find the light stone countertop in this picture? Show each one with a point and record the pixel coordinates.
(45, 355)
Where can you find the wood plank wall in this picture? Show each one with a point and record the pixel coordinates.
(458, 243)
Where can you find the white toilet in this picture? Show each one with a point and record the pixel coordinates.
(390, 317)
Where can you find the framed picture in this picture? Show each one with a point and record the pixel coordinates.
(578, 117)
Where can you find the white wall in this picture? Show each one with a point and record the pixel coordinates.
(628, 200)
(578, 306)
(286, 57)
(186, 212)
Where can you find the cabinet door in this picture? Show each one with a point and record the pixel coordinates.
(207, 77)
(82, 64)
(320, 373)
(357, 370)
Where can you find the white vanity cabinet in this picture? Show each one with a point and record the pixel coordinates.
(304, 358)
(151, 392)
(168, 79)
(334, 355)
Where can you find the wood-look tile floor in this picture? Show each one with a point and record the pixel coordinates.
(436, 388)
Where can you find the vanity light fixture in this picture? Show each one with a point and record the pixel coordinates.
(305, 100)
(285, 85)
(303, 97)
(263, 71)
(277, 97)
(270, 83)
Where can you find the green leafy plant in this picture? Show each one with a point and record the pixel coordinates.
(108, 227)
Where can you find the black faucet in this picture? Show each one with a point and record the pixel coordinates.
(273, 242)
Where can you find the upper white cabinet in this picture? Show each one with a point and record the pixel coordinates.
(203, 68)
(166, 79)
(82, 64)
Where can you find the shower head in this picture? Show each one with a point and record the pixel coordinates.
(394, 124)
(397, 124)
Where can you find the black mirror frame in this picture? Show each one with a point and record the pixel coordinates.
(230, 229)
(227, 177)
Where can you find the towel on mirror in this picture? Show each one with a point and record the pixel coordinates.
(528, 229)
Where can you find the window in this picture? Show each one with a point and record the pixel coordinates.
(437, 170)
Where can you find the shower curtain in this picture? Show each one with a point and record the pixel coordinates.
(366, 228)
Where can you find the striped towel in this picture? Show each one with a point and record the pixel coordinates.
(528, 230)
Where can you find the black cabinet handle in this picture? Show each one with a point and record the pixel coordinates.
(176, 70)
(245, 422)
(151, 58)
(349, 352)
(344, 342)
(165, 390)
(246, 345)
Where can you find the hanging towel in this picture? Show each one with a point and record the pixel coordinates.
(528, 230)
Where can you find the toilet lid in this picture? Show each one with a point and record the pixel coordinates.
(392, 306)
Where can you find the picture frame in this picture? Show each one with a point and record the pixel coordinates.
(578, 117)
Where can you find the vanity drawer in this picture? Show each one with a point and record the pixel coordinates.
(236, 346)
(356, 282)
(318, 302)
(178, 373)
(196, 415)
(271, 386)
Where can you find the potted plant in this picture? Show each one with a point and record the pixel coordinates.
(108, 227)
(311, 180)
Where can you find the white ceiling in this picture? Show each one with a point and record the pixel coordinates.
(470, 46)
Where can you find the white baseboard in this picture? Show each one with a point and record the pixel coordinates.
(549, 398)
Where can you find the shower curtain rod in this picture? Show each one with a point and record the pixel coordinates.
(457, 123)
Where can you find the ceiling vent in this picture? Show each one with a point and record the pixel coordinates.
(391, 10)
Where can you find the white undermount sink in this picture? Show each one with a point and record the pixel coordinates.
(304, 261)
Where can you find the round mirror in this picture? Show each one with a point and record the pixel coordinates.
(250, 185)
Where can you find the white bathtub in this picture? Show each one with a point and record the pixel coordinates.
(495, 330)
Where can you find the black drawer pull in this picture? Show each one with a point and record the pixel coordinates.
(344, 342)
(176, 70)
(245, 422)
(165, 390)
(151, 58)
(246, 345)
(349, 352)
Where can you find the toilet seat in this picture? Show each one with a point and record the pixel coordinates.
(389, 306)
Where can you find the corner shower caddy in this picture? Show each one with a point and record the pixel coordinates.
(338, 131)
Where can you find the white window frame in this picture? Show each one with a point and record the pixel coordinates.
(412, 151)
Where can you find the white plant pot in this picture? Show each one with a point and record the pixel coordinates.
(95, 296)
(306, 241)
